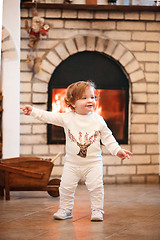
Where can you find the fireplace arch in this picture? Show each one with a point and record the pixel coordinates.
(112, 83)
(78, 44)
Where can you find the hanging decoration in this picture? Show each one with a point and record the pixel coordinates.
(37, 29)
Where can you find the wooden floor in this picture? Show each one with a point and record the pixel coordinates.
(132, 212)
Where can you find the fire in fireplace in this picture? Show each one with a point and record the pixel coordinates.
(113, 89)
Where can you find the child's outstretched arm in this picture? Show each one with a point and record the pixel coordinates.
(26, 109)
(123, 154)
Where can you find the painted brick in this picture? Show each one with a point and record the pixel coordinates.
(151, 128)
(40, 98)
(153, 98)
(71, 47)
(25, 87)
(138, 179)
(24, 67)
(155, 159)
(85, 14)
(69, 14)
(55, 23)
(114, 170)
(139, 87)
(24, 119)
(43, 76)
(23, 55)
(123, 180)
(157, 16)
(25, 129)
(48, 67)
(144, 138)
(32, 139)
(138, 108)
(139, 98)
(135, 46)
(145, 36)
(110, 47)
(53, 58)
(107, 25)
(138, 128)
(152, 77)
(109, 180)
(101, 44)
(116, 15)
(56, 13)
(145, 118)
(126, 58)
(62, 51)
(152, 108)
(90, 45)
(80, 41)
(39, 128)
(137, 75)
(152, 67)
(24, 12)
(137, 159)
(132, 66)
(153, 179)
(55, 149)
(40, 149)
(131, 16)
(118, 35)
(25, 97)
(25, 150)
(118, 52)
(101, 15)
(77, 24)
(26, 76)
(152, 88)
(150, 169)
(147, 16)
(127, 25)
(111, 160)
(153, 148)
(40, 87)
(62, 33)
(138, 149)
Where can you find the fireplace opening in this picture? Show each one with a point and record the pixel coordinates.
(111, 83)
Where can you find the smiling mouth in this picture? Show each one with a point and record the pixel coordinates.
(90, 105)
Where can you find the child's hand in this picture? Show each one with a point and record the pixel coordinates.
(123, 154)
(27, 109)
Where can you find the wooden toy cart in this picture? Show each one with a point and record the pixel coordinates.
(27, 174)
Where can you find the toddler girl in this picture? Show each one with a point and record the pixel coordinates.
(83, 129)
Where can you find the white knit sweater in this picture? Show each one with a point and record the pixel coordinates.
(83, 135)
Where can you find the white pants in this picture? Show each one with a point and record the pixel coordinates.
(93, 176)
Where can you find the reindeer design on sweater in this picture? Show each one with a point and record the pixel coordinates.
(83, 146)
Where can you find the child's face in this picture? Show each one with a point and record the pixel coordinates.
(86, 103)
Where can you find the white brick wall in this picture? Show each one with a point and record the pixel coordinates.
(132, 39)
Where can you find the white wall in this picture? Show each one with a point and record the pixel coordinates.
(11, 82)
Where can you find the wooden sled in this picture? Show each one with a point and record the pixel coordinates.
(28, 174)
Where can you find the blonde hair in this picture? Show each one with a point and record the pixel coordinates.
(75, 92)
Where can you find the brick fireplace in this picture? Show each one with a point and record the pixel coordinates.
(132, 39)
